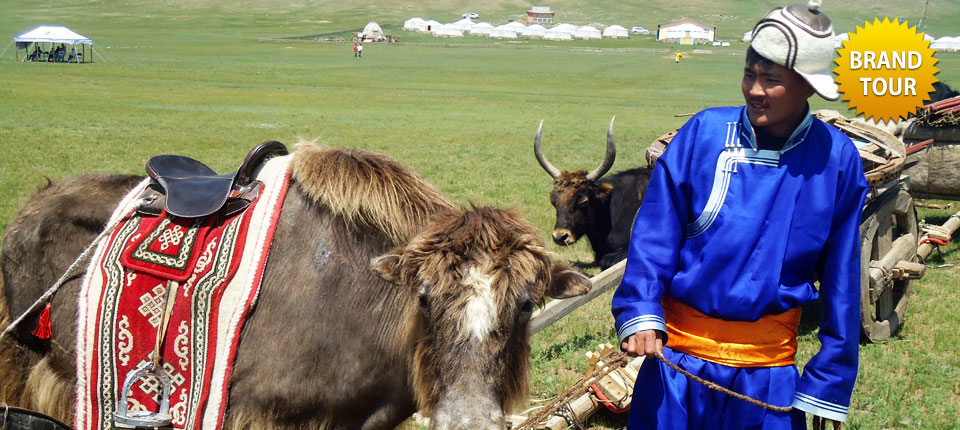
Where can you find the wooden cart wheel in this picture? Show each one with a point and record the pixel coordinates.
(888, 235)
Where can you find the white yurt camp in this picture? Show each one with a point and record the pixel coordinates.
(946, 43)
(465, 24)
(748, 36)
(686, 32)
(535, 31)
(516, 25)
(503, 32)
(616, 32)
(448, 30)
(569, 28)
(413, 24)
(558, 33)
(587, 32)
(430, 26)
(481, 29)
(372, 31)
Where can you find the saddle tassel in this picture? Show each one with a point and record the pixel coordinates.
(44, 329)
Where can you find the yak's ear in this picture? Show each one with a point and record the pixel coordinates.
(387, 266)
(567, 282)
(604, 190)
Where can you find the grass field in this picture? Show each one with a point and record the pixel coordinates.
(191, 78)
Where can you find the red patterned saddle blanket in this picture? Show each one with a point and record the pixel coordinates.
(211, 267)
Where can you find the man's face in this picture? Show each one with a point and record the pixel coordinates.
(776, 97)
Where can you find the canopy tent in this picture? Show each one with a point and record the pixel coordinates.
(616, 32)
(39, 45)
(748, 36)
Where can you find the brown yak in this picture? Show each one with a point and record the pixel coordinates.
(380, 298)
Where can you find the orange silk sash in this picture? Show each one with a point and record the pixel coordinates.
(768, 342)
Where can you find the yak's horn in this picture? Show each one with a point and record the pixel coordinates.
(553, 171)
(608, 158)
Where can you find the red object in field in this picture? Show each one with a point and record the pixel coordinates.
(607, 402)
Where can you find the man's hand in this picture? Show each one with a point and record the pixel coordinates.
(647, 342)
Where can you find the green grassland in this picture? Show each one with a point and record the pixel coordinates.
(192, 78)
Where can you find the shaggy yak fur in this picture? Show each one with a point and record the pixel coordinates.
(380, 297)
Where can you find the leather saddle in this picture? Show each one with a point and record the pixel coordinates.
(188, 188)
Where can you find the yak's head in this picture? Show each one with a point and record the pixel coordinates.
(577, 196)
(477, 274)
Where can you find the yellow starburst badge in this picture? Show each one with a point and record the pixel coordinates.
(886, 70)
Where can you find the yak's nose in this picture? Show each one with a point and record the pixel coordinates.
(563, 237)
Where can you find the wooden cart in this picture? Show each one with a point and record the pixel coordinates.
(933, 150)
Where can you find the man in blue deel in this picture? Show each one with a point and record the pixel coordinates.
(747, 208)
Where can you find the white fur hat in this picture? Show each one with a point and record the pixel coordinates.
(799, 37)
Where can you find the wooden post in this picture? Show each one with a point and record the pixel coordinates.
(556, 309)
(902, 249)
(909, 270)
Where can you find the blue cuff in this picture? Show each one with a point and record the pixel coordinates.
(812, 405)
(641, 323)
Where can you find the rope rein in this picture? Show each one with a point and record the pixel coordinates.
(724, 390)
(570, 417)
(612, 362)
(56, 285)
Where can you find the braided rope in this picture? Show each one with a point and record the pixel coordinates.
(570, 416)
(714, 386)
(612, 362)
(56, 285)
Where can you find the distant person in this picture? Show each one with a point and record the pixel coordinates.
(73, 54)
(356, 50)
(360, 50)
(61, 50)
(678, 56)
